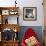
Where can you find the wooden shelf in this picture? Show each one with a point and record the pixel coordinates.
(8, 10)
(4, 12)
(11, 26)
(9, 43)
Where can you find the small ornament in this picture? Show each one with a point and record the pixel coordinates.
(6, 21)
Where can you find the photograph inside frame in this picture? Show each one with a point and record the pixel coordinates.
(30, 13)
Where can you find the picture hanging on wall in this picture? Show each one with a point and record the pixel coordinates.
(29, 13)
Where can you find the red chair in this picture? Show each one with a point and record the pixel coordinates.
(29, 33)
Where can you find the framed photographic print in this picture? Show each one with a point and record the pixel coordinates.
(30, 13)
(5, 12)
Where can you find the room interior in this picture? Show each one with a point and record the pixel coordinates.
(16, 16)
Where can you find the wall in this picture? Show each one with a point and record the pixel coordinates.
(34, 3)
(27, 3)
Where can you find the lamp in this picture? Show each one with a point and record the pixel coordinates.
(15, 3)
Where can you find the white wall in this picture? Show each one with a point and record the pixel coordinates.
(26, 3)
(32, 3)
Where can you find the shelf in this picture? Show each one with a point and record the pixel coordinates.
(11, 41)
(9, 23)
(8, 11)
(10, 26)
(4, 8)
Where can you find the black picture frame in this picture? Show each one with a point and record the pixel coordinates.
(29, 13)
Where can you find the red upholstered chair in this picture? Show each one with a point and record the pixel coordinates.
(28, 34)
